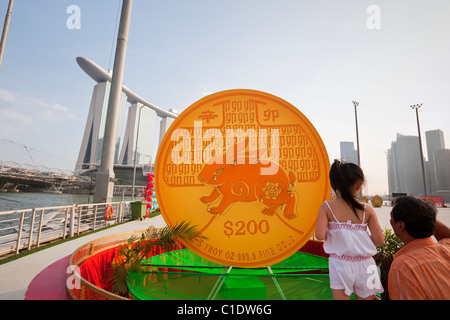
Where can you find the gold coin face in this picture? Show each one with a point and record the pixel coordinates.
(249, 170)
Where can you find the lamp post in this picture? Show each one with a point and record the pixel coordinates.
(105, 178)
(136, 143)
(5, 30)
(136, 151)
(416, 107)
(355, 104)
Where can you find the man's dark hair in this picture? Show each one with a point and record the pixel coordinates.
(418, 215)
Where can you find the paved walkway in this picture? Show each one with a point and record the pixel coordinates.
(15, 276)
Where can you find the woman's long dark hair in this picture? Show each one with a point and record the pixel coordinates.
(343, 177)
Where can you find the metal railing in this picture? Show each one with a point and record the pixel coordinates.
(28, 228)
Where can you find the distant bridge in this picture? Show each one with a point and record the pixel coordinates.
(22, 167)
(43, 173)
(13, 174)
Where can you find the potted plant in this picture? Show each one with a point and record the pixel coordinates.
(136, 249)
(385, 256)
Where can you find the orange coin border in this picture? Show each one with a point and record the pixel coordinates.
(254, 93)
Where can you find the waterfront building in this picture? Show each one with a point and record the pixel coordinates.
(92, 143)
(348, 152)
(435, 141)
(442, 167)
(139, 135)
(165, 124)
(437, 167)
(404, 166)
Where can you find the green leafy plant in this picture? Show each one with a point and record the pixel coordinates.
(137, 249)
(385, 256)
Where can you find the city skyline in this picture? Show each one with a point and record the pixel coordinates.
(404, 165)
(319, 56)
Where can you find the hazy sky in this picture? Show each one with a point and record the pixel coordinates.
(319, 55)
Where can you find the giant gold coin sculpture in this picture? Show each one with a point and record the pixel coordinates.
(249, 170)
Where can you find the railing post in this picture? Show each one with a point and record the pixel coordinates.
(95, 218)
(79, 220)
(19, 236)
(30, 237)
(65, 223)
(106, 220)
(40, 229)
(72, 222)
(121, 211)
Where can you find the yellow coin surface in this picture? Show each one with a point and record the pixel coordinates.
(249, 170)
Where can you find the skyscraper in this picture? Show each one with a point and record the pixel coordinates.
(404, 166)
(438, 161)
(348, 152)
(442, 167)
(435, 142)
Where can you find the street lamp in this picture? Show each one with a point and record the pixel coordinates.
(5, 30)
(135, 151)
(416, 107)
(357, 133)
(136, 143)
(105, 178)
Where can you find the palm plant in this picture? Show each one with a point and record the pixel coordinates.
(385, 256)
(136, 249)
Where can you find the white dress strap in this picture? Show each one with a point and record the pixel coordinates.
(364, 214)
(331, 212)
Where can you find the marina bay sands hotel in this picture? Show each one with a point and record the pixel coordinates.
(138, 138)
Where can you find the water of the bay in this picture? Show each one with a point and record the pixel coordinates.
(27, 200)
(23, 200)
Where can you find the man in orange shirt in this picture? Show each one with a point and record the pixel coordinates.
(421, 269)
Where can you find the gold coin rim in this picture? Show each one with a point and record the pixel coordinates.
(248, 92)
